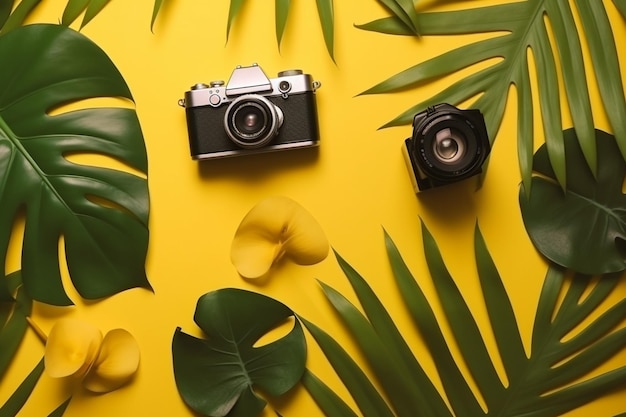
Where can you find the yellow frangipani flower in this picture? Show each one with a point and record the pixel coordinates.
(71, 348)
(117, 362)
(77, 349)
(277, 227)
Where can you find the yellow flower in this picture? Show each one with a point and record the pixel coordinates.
(77, 349)
(277, 227)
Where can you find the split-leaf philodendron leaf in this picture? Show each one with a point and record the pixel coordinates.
(215, 376)
(583, 228)
(100, 213)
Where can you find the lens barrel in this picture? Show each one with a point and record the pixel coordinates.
(251, 121)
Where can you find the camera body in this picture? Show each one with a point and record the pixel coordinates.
(448, 145)
(251, 114)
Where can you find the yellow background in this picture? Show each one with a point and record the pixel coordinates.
(354, 185)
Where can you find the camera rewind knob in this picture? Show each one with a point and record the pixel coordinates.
(287, 73)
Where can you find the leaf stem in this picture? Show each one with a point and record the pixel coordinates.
(40, 333)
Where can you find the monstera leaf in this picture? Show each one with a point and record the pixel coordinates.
(518, 27)
(583, 229)
(215, 376)
(101, 213)
(573, 335)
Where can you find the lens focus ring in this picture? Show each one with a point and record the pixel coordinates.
(251, 121)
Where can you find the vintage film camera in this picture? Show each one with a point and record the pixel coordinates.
(448, 145)
(251, 114)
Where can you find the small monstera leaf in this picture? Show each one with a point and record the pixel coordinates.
(583, 229)
(101, 213)
(215, 376)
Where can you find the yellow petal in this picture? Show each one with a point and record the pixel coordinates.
(117, 362)
(306, 242)
(275, 227)
(71, 348)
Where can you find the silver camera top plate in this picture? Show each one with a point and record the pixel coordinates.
(248, 80)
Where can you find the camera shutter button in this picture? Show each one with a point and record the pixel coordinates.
(214, 99)
(217, 83)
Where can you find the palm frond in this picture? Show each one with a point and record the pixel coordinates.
(566, 345)
(155, 12)
(17, 400)
(325, 9)
(328, 401)
(13, 327)
(524, 24)
(11, 20)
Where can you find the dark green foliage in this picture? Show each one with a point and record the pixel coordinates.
(551, 380)
(583, 228)
(518, 27)
(101, 213)
(215, 376)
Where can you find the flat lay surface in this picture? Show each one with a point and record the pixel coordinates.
(355, 185)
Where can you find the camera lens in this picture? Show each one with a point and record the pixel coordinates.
(449, 145)
(252, 121)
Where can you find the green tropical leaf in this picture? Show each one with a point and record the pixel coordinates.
(17, 400)
(74, 8)
(5, 11)
(13, 327)
(583, 229)
(19, 14)
(567, 343)
(60, 410)
(282, 11)
(13, 323)
(324, 8)
(328, 401)
(524, 25)
(327, 19)
(235, 6)
(621, 6)
(369, 401)
(216, 376)
(94, 8)
(101, 213)
(405, 15)
(155, 12)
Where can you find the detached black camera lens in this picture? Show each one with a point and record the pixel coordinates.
(447, 145)
(252, 121)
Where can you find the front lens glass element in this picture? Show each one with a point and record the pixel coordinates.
(449, 145)
(250, 119)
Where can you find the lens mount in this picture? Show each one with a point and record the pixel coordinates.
(251, 121)
(448, 146)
